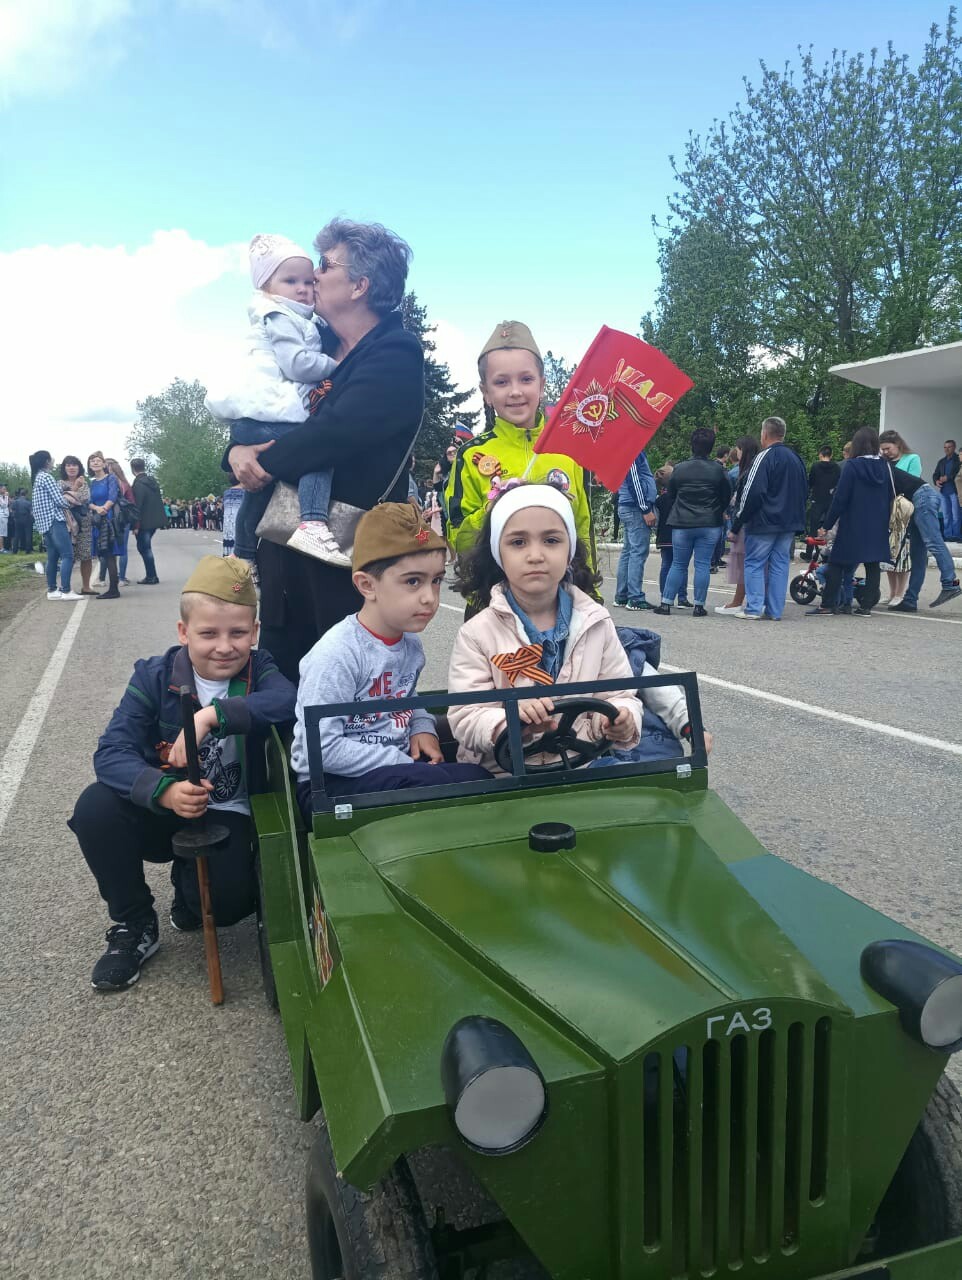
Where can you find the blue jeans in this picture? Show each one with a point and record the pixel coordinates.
(391, 777)
(630, 583)
(685, 543)
(766, 551)
(123, 533)
(924, 536)
(667, 555)
(144, 537)
(949, 499)
(313, 490)
(59, 549)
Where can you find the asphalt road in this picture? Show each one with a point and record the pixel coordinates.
(149, 1133)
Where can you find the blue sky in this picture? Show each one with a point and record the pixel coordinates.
(521, 149)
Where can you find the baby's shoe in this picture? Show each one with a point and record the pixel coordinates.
(314, 538)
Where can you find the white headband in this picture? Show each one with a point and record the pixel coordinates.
(267, 252)
(531, 495)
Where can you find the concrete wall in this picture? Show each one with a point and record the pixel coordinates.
(925, 419)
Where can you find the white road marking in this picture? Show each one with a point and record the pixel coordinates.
(455, 608)
(825, 713)
(16, 758)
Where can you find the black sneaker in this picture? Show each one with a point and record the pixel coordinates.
(182, 918)
(128, 946)
(620, 602)
(663, 609)
(684, 604)
(637, 605)
(946, 594)
(902, 607)
(148, 582)
(699, 611)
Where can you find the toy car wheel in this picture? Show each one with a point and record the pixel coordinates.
(802, 589)
(923, 1205)
(356, 1236)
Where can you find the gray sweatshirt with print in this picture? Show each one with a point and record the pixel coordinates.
(349, 664)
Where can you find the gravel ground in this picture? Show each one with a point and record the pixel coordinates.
(150, 1132)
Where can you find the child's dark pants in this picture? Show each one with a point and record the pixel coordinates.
(391, 777)
(117, 837)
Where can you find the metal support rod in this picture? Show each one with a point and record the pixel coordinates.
(211, 951)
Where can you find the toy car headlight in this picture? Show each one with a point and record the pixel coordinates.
(492, 1085)
(923, 984)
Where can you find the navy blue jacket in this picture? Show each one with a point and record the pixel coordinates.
(774, 493)
(862, 505)
(638, 489)
(131, 756)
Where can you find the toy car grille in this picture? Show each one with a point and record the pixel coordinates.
(735, 1147)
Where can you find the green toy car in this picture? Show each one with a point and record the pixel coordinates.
(580, 1024)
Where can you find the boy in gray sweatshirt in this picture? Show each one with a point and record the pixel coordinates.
(398, 569)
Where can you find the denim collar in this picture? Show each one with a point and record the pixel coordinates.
(552, 641)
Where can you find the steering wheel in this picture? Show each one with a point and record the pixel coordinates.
(558, 742)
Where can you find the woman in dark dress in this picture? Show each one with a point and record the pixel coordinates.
(363, 422)
(861, 505)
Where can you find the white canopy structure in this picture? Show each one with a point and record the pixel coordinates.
(921, 396)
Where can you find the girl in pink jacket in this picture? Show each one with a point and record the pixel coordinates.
(540, 626)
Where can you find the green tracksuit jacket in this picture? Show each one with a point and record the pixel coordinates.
(504, 451)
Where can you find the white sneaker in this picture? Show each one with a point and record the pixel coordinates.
(728, 610)
(54, 595)
(747, 617)
(69, 595)
(314, 538)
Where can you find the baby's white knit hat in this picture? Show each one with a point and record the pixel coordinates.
(268, 252)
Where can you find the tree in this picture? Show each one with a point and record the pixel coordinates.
(831, 201)
(182, 441)
(14, 476)
(557, 375)
(442, 399)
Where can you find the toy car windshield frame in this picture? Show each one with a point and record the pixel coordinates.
(322, 803)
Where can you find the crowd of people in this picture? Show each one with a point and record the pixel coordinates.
(85, 515)
(519, 523)
(750, 502)
(201, 513)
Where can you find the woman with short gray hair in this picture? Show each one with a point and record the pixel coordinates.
(363, 421)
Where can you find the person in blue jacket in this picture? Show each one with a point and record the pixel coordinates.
(861, 505)
(142, 797)
(771, 510)
(637, 513)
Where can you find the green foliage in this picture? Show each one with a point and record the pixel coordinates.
(821, 223)
(557, 375)
(181, 440)
(15, 477)
(442, 400)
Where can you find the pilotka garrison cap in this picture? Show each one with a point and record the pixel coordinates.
(393, 529)
(511, 334)
(224, 578)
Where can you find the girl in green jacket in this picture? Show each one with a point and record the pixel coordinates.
(512, 384)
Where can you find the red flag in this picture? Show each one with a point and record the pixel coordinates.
(617, 399)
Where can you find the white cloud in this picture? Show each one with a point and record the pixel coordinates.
(96, 329)
(47, 44)
(460, 354)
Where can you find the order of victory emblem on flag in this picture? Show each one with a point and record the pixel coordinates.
(617, 399)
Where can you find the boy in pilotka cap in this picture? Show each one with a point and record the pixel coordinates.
(141, 795)
(398, 567)
(512, 384)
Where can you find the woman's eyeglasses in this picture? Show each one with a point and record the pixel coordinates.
(325, 263)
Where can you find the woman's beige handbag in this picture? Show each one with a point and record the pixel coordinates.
(283, 513)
